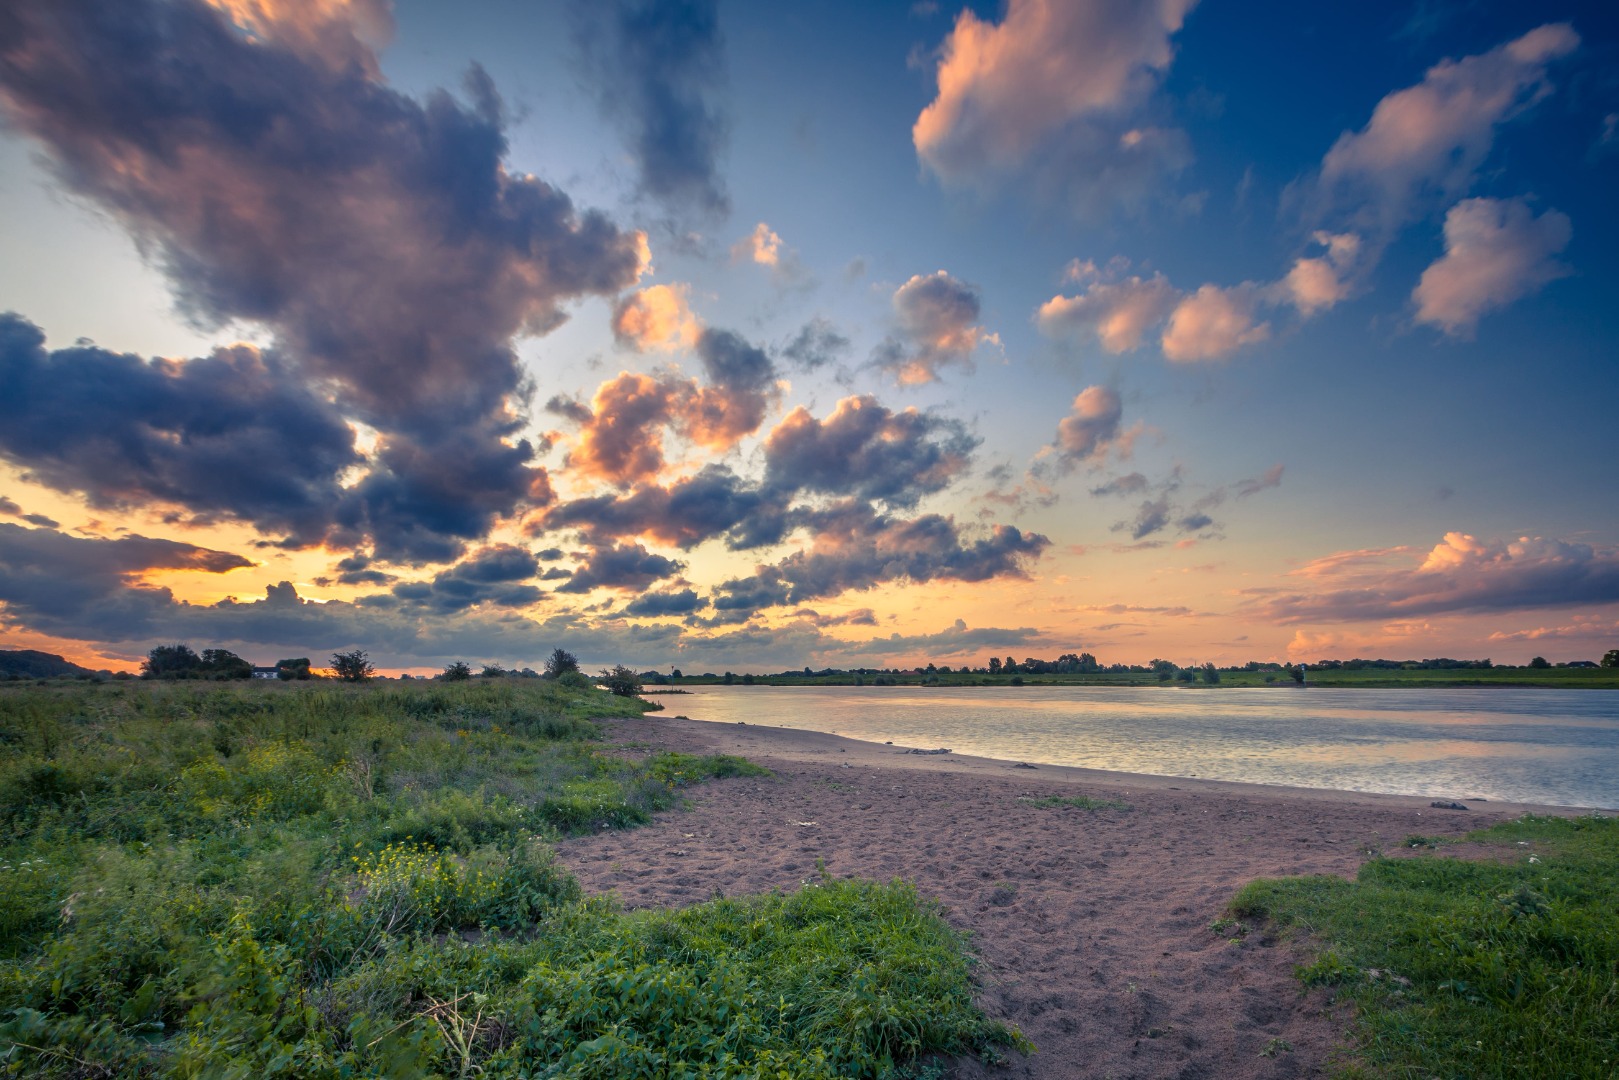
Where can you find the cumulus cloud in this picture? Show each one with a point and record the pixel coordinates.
(657, 70)
(854, 548)
(277, 180)
(867, 450)
(1319, 282)
(1091, 426)
(622, 434)
(621, 566)
(684, 514)
(656, 318)
(1059, 92)
(762, 246)
(61, 584)
(1213, 323)
(659, 604)
(1460, 575)
(1427, 141)
(1119, 313)
(238, 432)
(937, 317)
(1496, 251)
(495, 576)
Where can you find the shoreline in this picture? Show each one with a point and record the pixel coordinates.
(805, 744)
(1096, 901)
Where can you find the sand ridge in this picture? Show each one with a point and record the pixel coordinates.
(1093, 925)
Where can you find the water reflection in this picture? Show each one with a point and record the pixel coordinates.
(1545, 746)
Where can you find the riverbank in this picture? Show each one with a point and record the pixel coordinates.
(1090, 895)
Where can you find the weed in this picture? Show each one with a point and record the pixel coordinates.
(1076, 802)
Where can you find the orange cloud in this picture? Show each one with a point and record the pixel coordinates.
(656, 318)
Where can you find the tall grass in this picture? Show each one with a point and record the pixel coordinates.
(1506, 967)
(316, 880)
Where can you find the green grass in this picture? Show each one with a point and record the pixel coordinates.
(200, 880)
(1502, 968)
(1077, 802)
(1380, 678)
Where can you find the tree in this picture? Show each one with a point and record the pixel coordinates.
(224, 664)
(493, 671)
(621, 681)
(1211, 674)
(559, 663)
(352, 666)
(1610, 658)
(296, 668)
(994, 665)
(1539, 662)
(1009, 666)
(456, 672)
(171, 662)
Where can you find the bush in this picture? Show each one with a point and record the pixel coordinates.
(456, 672)
(621, 681)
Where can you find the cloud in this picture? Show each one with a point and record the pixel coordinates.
(1213, 323)
(380, 239)
(1496, 251)
(855, 548)
(1272, 477)
(762, 246)
(816, 345)
(1427, 141)
(1056, 91)
(684, 514)
(656, 318)
(866, 450)
(622, 436)
(9, 507)
(657, 70)
(858, 617)
(627, 566)
(1128, 484)
(1317, 283)
(1091, 427)
(657, 604)
(60, 584)
(1152, 516)
(1119, 313)
(937, 316)
(1459, 575)
(494, 576)
(238, 432)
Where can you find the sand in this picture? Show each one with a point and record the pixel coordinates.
(1093, 925)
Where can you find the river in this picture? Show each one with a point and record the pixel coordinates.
(1558, 747)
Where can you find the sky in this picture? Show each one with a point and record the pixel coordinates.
(725, 336)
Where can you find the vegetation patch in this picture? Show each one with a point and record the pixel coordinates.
(1472, 969)
(302, 879)
(1075, 802)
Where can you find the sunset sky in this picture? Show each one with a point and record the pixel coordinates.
(750, 336)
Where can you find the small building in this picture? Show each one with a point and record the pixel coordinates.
(266, 673)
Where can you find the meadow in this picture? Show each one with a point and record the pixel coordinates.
(1595, 678)
(1499, 966)
(320, 880)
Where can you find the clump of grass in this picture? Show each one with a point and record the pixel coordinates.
(1076, 802)
(316, 881)
(1464, 968)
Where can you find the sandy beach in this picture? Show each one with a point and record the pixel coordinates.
(1093, 925)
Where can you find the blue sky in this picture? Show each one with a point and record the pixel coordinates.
(1212, 331)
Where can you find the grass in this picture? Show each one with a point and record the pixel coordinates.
(203, 880)
(1502, 968)
(1077, 802)
(1381, 678)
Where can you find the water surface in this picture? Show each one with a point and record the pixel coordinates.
(1559, 747)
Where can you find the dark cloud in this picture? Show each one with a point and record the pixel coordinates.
(712, 503)
(937, 318)
(1152, 516)
(953, 641)
(858, 617)
(1194, 522)
(855, 548)
(356, 569)
(494, 576)
(626, 566)
(41, 519)
(56, 583)
(657, 70)
(868, 450)
(276, 179)
(569, 409)
(816, 345)
(9, 508)
(654, 604)
(1091, 427)
(237, 432)
(1462, 575)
